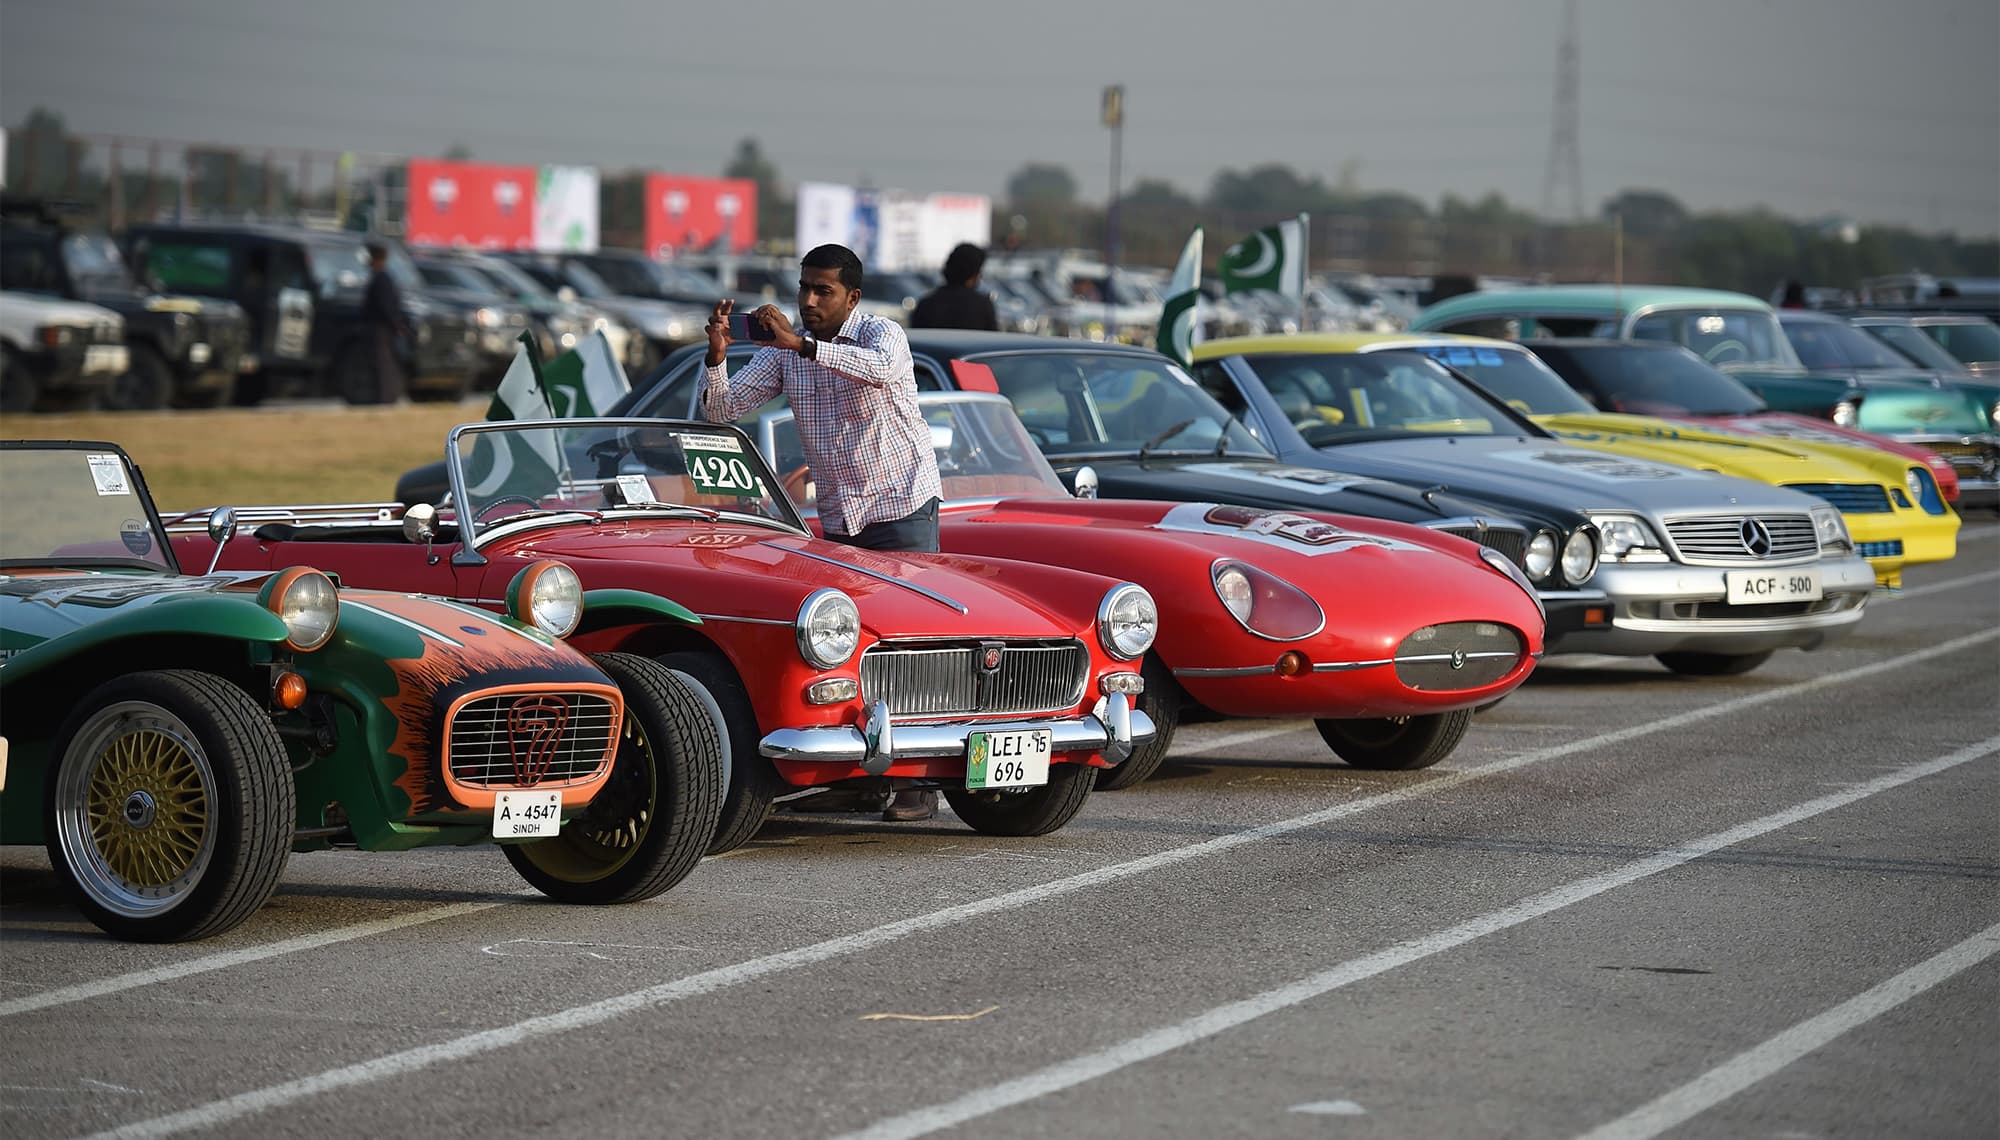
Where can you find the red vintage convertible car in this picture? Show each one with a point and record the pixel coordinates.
(1007, 684)
(1388, 635)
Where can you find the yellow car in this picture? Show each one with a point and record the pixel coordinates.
(1890, 504)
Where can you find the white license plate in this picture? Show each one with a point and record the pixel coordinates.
(106, 358)
(1757, 587)
(1007, 759)
(520, 815)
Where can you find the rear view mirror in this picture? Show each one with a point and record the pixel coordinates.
(420, 523)
(941, 437)
(221, 527)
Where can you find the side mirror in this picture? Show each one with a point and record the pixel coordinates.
(941, 437)
(420, 523)
(1086, 482)
(221, 527)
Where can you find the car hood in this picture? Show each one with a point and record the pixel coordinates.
(1257, 482)
(1767, 459)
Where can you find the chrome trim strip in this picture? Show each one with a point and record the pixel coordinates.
(745, 620)
(1479, 656)
(845, 744)
(1252, 671)
(911, 586)
(1350, 666)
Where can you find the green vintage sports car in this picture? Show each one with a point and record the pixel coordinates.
(174, 736)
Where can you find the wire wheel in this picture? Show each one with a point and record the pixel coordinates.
(134, 812)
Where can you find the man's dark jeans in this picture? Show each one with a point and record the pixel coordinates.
(915, 531)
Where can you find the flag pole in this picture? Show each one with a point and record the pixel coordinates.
(1305, 249)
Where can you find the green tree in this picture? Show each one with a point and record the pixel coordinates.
(776, 210)
(1042, 184)
(1646, 213)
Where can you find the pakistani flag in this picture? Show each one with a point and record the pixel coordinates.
(1273, 258)
(522, 463)
(585, 381)
(1178, 328)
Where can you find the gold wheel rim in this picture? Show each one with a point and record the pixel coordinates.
(148, 808)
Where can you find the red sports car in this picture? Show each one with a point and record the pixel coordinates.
(1386, 634)
(1007, 684)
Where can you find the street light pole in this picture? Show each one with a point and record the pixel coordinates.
(1114, 117)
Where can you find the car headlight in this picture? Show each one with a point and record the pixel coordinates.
(1579, 560)
(1622, 538)
(547, 595)
(306, 601)
(1830, 529)
(1846, 412)
(1924, 489)
(487, 318)
(1993, 415)
(829, 628)
(1541, 558)
(1914, 480)
(1127, 619)
(1264, 603)
(1519, 577)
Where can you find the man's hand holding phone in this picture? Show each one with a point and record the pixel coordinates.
(718, 332)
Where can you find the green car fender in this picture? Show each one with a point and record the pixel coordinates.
(604, 607)
(211, 617)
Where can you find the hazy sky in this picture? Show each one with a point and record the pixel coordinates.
(1878, 111)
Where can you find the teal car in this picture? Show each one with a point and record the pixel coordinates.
(171, 738)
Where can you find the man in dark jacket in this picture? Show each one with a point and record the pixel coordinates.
(958, 304)
(382, 317)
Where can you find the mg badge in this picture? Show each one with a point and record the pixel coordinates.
(1457, 659)
(1756, 538)
(989, 659)
(535, 726)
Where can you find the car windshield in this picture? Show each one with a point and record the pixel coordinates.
(72, 506)
(585, 282)
(509, 470)
(631, 276)
(1339, 398)
(1653, 381)
(1092, 403)
(982, 450)
(94, 258)
(1974, 342)
(511, 280)
(340, 267)
(1839, 345)
(1513, 375)
(1719, 336)
(455, 276)
(1922, 350)
(686, 282)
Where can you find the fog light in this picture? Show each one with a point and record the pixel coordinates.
(832, 691)
(290, 691)
(1129, 683)
(1293, 664)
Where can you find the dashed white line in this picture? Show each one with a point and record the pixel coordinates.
(1940, 587)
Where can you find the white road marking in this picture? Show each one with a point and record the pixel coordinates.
(1940, 587)
(1230, 740)
(1753, 1065)
(1330, 1108)
(82, 991)
(1077, 1070)
(543, 948)
(1979, 535)
(217, 1112)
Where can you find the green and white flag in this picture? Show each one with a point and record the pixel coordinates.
(1273, 258)
(587, 380)
(517, 463)
(1179, 330)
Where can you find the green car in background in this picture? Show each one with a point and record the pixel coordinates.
(171, 738)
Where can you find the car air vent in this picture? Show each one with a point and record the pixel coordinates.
(1457, 655)
(1851, 498)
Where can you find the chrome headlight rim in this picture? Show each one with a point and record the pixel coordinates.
(1516, 575)
(1993, 415)
(1830, 529)
(828, 628)
(1127, 621)
(1619, 535)
(547, 595)
(1541, 551)
(307, 602)
(1846, 412)
(1579, 556)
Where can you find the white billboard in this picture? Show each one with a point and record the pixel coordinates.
(566, 209)
(891, 229)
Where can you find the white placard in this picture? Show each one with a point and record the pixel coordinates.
(109, 475)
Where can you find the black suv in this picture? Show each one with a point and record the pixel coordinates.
(184, 351)
(302, 289)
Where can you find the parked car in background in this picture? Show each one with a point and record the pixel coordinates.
(57, 355)
(659, 326)
(499, 321)
(558, 325)
(1972, 340)
(181, 350)
(1709, 574)
(174, 736)
(1903, 333)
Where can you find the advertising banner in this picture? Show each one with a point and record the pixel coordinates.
(950, 219)
(566, 206)
(686, 213)
(477, 204)
(891, 229)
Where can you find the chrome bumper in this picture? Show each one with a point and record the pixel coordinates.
(880, 742)
(1640, 593)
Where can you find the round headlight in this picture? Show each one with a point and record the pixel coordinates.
(1846, 412)
(1993, 415)
(1541, 557)
(1266, 604)
(829, 628)
(547, 595)
(1126, 621)
(1232, 585)
(1914, 480)
(1579, 558)
(305, 600)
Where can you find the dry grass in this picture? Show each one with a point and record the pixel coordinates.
(247, 456)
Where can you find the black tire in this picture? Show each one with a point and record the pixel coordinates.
(650, 824)
(215, 780)
(1162, 702)
(1037, 811)
(249, 389)
(148, 385)
(1713, 664)
(752, 783)
(19, 390)
(1396, 744)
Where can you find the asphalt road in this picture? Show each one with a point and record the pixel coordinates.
(1632, 904)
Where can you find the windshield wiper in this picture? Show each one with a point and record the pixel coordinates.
(1222, 441)
(1163, 437)
(657, 505)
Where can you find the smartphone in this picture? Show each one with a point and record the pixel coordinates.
(741, 327)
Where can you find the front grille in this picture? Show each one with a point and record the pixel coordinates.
(1460, 655)
(1510, 541)
(541, 739)
(1851, 498)
(1967, 457)
(1721, 537)
(107, 332)
(947, 680)
(1889, 549)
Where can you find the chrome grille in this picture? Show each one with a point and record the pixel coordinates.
(1720, 537)
(519, 740)
(1459, 655)
(1510, 541)
(946, 680)
(1851, 498)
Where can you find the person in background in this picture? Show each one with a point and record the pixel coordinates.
(387, 326)
(958, 303)
(1794, 296)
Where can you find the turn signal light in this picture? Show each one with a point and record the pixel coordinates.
(832, 691)
(1595, 615)
(290, 691)
(1292, 663)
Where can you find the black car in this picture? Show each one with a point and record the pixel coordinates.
(498, 320)
(183, 350)
(302, 289)
(662, 325)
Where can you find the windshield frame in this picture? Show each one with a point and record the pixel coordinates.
(166, 563)
(1242, 443)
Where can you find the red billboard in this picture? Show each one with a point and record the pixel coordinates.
(686, 213)
(478, 204)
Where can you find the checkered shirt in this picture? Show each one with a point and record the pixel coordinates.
(864, 437)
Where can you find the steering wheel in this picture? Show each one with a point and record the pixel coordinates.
(795, 482)
(1040, 437)
(1715, 351)
(480, 515)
